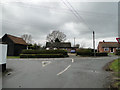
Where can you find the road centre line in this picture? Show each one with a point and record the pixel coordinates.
(72, 60)
(64, 70)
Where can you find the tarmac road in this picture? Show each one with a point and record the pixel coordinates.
(72, 72)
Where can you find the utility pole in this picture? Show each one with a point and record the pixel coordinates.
(94, 43)
(74, 41)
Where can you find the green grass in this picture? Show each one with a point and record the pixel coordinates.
(117, 74)
(12, 57)
(111, 53)
(115, 65)
(116, 85)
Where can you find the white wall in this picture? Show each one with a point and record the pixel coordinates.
(3, 53)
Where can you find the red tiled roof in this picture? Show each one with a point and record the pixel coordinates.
(109, 44)
(17, 40)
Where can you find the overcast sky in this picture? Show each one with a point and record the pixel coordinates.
(39, 18)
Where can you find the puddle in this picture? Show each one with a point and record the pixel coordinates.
(7, 72)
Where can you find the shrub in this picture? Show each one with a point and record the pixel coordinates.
(102, 54)
(41, 55)
(117, 52)
(84, 52)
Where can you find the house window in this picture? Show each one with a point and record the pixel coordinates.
(106, 49)
(117, 48)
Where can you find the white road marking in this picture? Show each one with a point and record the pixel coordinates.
(64, 70)
(72, 60)
(95, 71)
(45, 63)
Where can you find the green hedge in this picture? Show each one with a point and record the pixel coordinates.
(89, 52)
(64, 52)
(41, 55)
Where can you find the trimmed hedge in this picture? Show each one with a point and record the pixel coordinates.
(64, 52)
(41, 55)
(88, 52)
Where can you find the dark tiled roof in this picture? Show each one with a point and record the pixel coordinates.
(17, 40)
(58, 44)
(109, 44)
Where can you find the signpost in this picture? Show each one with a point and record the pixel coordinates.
(118, 39)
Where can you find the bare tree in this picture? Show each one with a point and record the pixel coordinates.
(83, 44)
(56, 36)
(27, 38)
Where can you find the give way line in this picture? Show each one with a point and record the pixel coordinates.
(65, 68)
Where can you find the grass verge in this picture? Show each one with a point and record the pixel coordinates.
(13, 57)
(114, 67)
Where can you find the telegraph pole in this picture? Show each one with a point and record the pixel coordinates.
(94, 42)
(74, 41)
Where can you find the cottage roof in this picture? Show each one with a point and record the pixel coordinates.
(109, 44)
(16, 40)
(58, 44)
(2, 42)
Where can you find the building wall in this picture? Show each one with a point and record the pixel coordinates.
(13, 49)
(100, 49)
(114, 49)
(10, 47)
(18, 49)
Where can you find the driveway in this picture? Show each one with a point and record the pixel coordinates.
(72, 72)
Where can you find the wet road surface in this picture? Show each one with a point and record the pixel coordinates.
(72, 72)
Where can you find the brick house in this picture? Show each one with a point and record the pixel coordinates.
(109, 47)
(15, 44)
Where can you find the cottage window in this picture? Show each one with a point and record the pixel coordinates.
(106, 49)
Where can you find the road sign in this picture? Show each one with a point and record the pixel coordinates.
(118, 39)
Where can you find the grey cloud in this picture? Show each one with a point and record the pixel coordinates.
(41, 18)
